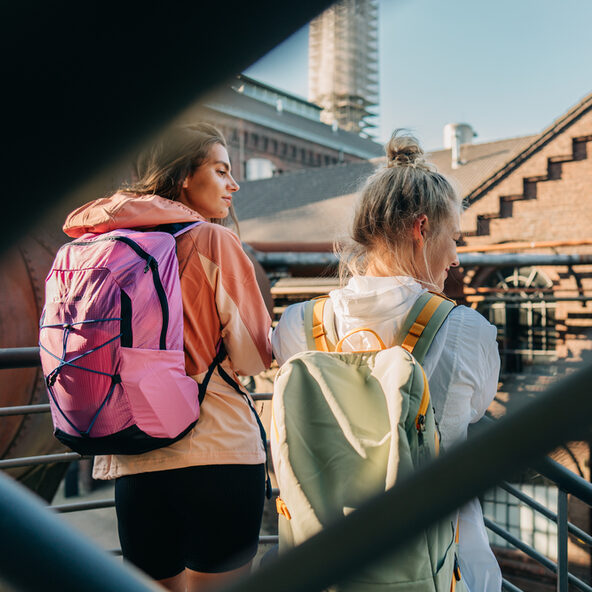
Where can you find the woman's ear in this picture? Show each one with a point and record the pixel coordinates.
(420, 230)
(185, 183)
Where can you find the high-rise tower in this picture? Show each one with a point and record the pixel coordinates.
(343, 64)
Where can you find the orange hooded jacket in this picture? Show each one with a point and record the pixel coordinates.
(221, 299)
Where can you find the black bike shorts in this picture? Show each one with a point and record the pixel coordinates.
(206, 518)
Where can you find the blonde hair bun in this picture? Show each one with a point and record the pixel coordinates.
(403, 150)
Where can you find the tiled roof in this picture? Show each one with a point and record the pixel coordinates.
(236, 104)
(316, 204)
(479, 161)
(280, 195)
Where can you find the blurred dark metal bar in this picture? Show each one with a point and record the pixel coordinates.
(111, 76)
(434, 491)
(43, 553)
(564, 478)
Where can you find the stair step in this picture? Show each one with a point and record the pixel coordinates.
(560, 159)
(516, 197)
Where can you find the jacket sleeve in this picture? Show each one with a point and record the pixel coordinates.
(245, 322)
(240, 314)
(288, 337)
(463, 371)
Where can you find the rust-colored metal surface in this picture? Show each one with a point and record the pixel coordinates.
(22, 275)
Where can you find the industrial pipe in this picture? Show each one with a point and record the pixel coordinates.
(279, 259)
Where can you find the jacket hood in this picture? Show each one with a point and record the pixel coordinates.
(125, 210)
(375, 298)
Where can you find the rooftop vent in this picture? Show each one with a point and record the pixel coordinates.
(456, 134)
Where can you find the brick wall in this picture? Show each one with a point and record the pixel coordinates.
(248, 140)
(547, 198)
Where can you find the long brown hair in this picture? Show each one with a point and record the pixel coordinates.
(177, 154)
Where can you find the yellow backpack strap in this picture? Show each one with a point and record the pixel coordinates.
(423, 321)
(314, 324)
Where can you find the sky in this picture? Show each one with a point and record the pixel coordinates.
(508, 68)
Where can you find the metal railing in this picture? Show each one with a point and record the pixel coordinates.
(28, 358)
(507, 434)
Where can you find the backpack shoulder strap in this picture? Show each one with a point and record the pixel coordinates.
(178, 228)
(319, 324)
(423, 322)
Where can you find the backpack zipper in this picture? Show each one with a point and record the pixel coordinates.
(420, 418)
(151, 264)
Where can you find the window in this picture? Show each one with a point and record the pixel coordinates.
(259, 168)
(525, 321)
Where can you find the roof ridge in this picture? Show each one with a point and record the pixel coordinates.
(480, 144)
(558, 125)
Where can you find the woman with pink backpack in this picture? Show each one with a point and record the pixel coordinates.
(189, 513)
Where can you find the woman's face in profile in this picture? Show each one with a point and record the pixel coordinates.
(441, 252)
(209, 189)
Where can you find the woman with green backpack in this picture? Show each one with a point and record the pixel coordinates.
(405, 234)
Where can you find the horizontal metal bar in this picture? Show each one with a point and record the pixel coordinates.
(19, 357)
(509, 586)
(82, 506)
(45, 408)
(534, 299)
(45, 459)
(24, 410)
(99, 504)
(519, 544)
(313, 259)
(522, 259)
(534, 554)
(578, 532)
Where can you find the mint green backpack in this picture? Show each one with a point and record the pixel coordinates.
(346, 426)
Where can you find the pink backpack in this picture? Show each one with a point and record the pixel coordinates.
(111, 343)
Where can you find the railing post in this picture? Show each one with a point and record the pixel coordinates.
(562, 565)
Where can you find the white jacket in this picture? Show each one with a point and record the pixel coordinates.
(462, 367)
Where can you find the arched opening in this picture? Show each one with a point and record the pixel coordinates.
(524, 315)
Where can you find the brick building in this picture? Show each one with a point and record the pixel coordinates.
(270, 132)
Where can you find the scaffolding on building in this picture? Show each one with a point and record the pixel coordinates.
(343, 64)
